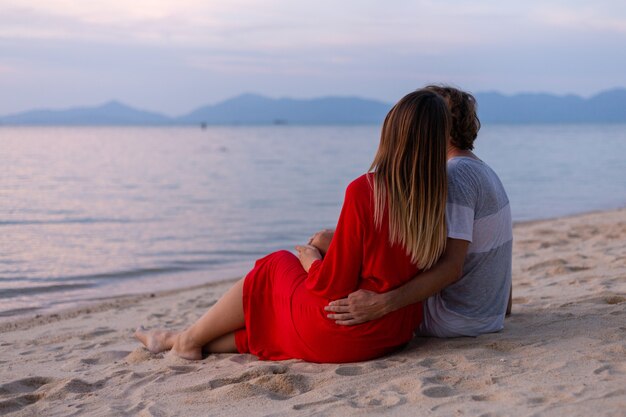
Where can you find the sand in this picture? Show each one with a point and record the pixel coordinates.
(563, 351)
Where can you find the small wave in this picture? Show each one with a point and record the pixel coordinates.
(132, 273)
(241, 252)
(14, 292)
(18, 311)
(80, 220)
(200, 262)
(219, 252)
(172, 268)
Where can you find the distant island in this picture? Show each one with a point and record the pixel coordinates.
(253, 109)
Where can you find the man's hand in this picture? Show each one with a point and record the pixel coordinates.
(307, 255)
(321, 240)
(359, 307)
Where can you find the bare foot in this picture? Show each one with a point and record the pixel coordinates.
(185, 347)
(180, 343)
(156, 341)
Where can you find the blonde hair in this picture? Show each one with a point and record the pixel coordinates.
(410, 175)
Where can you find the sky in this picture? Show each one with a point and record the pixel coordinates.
(174, 56)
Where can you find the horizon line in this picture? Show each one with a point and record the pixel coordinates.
(170, 116)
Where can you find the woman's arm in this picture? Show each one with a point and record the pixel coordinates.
(338, 273)
(321, 240)
(307, 255)
(362, 305)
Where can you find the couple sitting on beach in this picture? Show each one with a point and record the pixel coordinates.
(423, 245)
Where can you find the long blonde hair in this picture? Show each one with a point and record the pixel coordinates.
(410, 175)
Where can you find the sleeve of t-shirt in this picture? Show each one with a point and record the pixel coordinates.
(461, 204)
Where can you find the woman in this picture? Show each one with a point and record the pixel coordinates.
(391, 226)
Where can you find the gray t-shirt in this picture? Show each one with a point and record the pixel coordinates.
(477, 211)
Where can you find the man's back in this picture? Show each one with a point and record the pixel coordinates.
(477, 211)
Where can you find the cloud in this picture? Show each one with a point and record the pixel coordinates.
(202, 51)
(244, 24)
(585, 18)
(6, 69)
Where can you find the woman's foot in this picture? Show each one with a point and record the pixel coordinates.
(186, 348)
(156, 341)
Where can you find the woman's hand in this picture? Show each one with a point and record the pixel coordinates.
(307, 255)
(321, 240)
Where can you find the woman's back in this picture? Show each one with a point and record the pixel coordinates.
(359, 257)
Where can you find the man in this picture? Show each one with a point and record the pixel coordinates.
(468, 291)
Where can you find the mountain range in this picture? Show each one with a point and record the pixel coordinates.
(252, 109)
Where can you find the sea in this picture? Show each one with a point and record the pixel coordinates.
(88, 213)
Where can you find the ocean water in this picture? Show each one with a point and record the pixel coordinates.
(88, 213)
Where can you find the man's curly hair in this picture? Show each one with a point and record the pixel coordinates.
(465, 122)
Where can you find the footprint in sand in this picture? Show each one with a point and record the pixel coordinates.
(536, 400)
(26, 392)
(243, 359)
(274, 381)
(106, 357)
(441, 386)
(313, 406)
(21, 393)
(428, 362)
(99, 331)
(350, 370)
(439, 392)
(182, 369)
(503, 346)
(382, 398)
(617, 393)
(555, 267)
(611, 369)
(544, 232)
(25, 385)
(481, 397)
(559, 242)
(373, 366)
(65, 387)
(281, 387)
(354, 370)
(249, 375)
(614, 299)
(587, 230)
(309, 368)
(17, 403)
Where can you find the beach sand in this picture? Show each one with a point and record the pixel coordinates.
(562, 352)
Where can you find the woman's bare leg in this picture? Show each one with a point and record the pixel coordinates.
(223, 344)
(223, 318)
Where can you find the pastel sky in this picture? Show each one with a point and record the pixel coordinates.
(172, 56)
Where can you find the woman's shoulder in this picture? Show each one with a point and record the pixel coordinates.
(359, 195)
(361, 186)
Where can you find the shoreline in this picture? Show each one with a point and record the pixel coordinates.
(561, 352)
(569, 216)
(25, 321)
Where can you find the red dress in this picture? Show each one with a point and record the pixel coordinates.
(284, 306)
